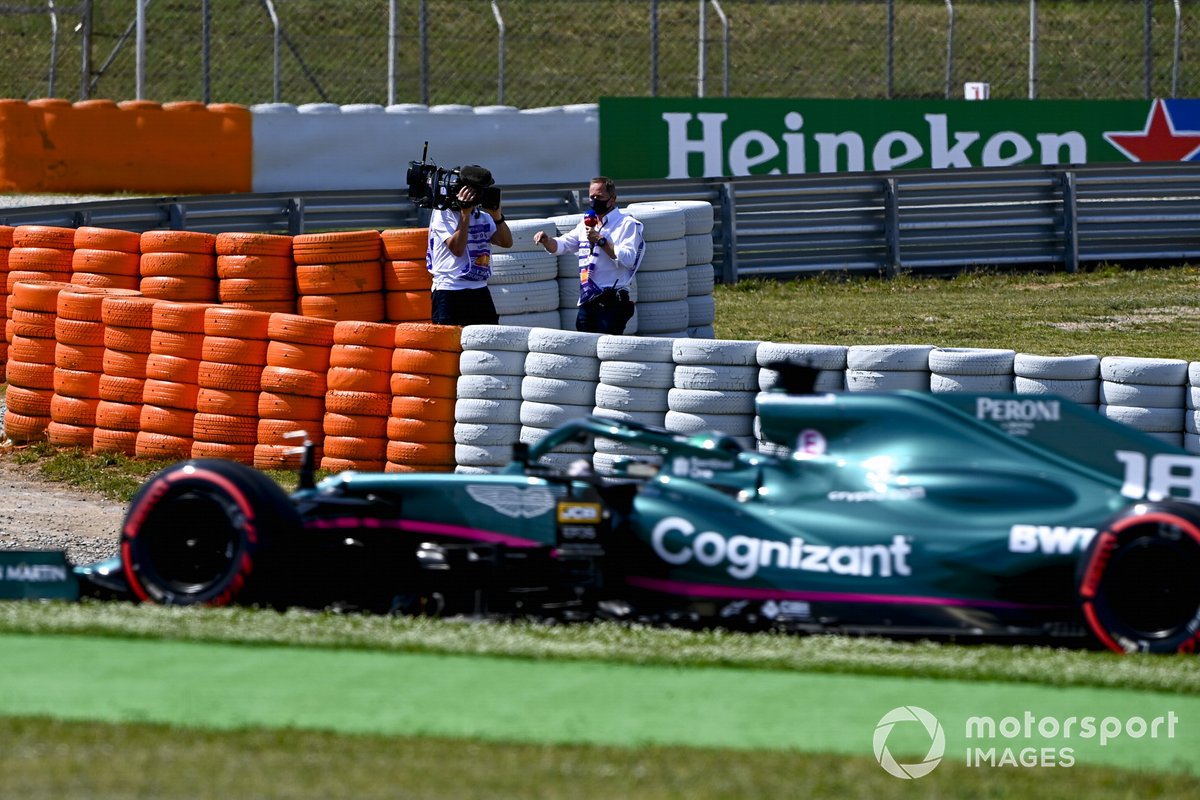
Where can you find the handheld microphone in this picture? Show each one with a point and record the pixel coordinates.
(591, 220)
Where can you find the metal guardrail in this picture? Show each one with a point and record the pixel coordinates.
(934, 221)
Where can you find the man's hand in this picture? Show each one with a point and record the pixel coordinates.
(547, 242)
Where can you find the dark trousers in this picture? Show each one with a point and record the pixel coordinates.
(599, 316)
(464, 307)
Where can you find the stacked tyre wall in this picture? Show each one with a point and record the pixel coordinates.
(89, 359)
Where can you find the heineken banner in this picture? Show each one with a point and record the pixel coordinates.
(656, 138)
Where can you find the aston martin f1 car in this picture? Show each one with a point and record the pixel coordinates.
(997, 516)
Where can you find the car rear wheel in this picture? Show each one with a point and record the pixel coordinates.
(1139, 581)
(198, 531)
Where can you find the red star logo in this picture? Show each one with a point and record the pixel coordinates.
(1158, 141)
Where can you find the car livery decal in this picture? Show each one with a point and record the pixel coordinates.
(687, 589)
(420, 526)
(512, 501)
(676, 541)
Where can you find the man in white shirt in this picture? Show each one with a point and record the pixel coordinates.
(460, 253)
(610, 248)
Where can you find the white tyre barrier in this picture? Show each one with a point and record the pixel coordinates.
(718, 377)
(546, 390)
(1060, 368)
(1086, 392)
(890, 357)
(1161, 371)
(940, 383)
(971, 361)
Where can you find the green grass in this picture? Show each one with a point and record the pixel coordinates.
(1106, 311)
(556, 52)
(50, 759)
(615, 643)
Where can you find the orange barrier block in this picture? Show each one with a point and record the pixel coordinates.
(53, 145)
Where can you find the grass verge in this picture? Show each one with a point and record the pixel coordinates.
(51, 759)
(614, 643)
(1107, 311)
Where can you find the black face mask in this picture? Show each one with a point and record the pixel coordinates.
(601, 207)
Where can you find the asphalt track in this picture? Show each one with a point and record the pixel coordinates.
(224, 686)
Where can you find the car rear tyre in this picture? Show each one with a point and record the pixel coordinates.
(1138, 581)
(197, 533)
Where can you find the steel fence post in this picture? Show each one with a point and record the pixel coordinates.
(1070, 222)
(891, 226)
(729, 262)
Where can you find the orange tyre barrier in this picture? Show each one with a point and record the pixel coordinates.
(358, 403)
(171, 394)
(289, 380)
(106, 240)
(77, 356)
(179, 317)
(172, 368)
(403, 383)
(167, 420)
(327, 248)
(437, 454)
(361, 356)
(239, 322)
(16, 276)
(427, 408)
(250, 266)
(425, 362)
(408, 306)
(403, 429)
(357, 450)
(233, 356)
(173, 343)
(62, 434)
(74, 410)
(127, 336)
(399, 276)
(177, 265)
(344, 278)
(106, 262)
(355, 425)
(273, 405)
(199, 290)
(257, 244)
(281, 456)
(30, 370)
(101, 281)
(300, 329)
(44, 236)
(361, 306)
(301, 356)
(232, 452)
(150, 444)
(6, 234)
(227, 401)
(76, 383)
(424, 387)
(31, 375)
(48, 259)
(405, 243)
(80, 332)
(114, 440)
(178, 242)
(358, 380)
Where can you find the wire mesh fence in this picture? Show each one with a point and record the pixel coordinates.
(531, 53)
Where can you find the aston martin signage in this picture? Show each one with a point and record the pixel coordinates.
(656, 138)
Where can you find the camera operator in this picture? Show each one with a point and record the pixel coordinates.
(610, 248)
(460, 253)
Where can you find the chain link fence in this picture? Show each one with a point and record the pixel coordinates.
(531, 53)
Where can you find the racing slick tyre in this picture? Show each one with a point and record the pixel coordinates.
(198, 531)
(1137, 580)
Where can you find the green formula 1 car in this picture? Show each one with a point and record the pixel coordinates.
(954, 515)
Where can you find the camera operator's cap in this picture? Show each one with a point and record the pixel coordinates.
(476, 175)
